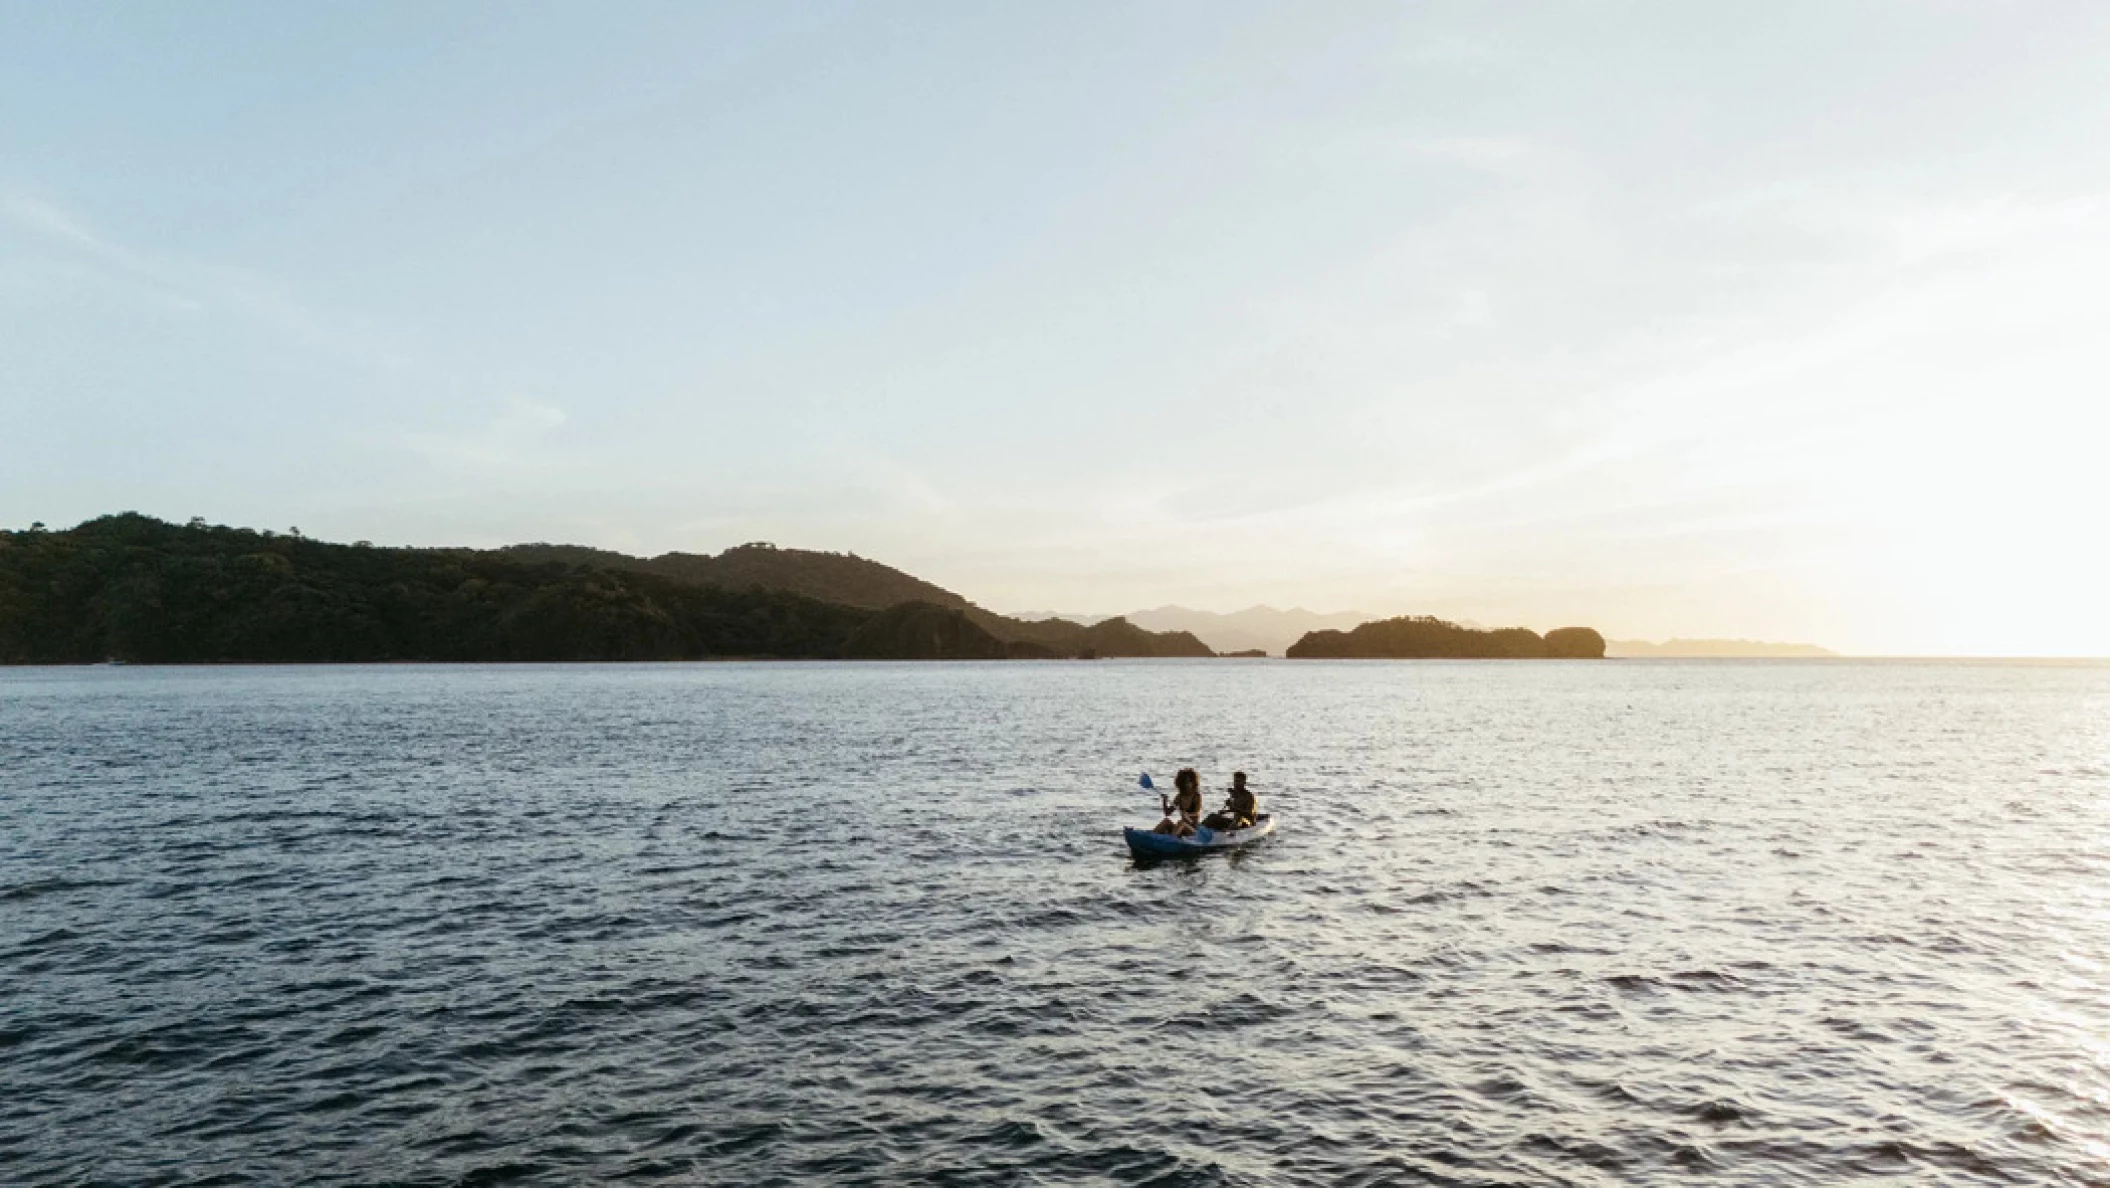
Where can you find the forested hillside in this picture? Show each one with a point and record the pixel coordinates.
(851, 580)
(842, 578)
(133, 588)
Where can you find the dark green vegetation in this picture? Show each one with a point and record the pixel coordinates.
(134, 588)
(846, 579)
(850, 580)
(1424, 638)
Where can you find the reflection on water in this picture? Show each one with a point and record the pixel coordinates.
(1606, 923)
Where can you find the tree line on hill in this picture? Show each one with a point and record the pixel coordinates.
(134, 588)
(850, 580)
(842, 578)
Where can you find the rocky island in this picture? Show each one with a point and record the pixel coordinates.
(1421, 637)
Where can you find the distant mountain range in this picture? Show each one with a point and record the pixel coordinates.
(1637, 649)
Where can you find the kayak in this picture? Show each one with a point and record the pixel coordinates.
(1145, 844)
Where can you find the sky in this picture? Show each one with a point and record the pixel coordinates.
(1781, 321)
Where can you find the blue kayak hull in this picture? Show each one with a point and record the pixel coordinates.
(1145, 844)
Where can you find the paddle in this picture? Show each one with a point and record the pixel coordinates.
(1164, 805)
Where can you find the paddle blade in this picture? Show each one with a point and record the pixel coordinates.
(1147, 784)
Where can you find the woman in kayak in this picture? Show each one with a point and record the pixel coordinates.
(1186, 802)
(1241, 808)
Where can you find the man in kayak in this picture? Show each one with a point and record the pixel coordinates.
(1241, 808)
(1183, 812)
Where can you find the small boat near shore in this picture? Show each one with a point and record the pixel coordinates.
(1145, 843)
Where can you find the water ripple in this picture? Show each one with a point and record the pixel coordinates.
(1528, 924)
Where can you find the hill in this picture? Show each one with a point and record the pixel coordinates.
(850, 580)
(139, 589)
(1426, 638)
(842, 578)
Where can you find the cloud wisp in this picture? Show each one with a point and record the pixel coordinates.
(206, 287)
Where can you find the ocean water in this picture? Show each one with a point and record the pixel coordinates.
(1585, 923)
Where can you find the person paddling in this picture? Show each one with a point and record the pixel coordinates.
(1240, 808)
(1183, 812)
(1240, 802)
